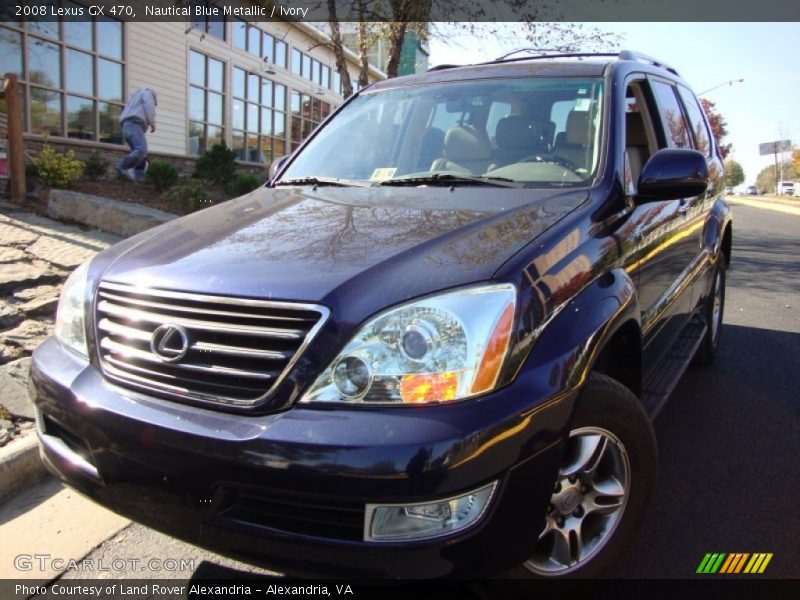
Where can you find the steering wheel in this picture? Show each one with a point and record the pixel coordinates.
(552, 158)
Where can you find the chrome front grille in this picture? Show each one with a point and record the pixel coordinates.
(222, 350)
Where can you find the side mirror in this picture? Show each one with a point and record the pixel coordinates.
(673, 173)
(276, 165)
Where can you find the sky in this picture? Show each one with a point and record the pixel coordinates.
(765, 107)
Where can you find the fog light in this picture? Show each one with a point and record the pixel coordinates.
(394, 522)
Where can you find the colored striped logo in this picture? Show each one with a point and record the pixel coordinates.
(736, 562)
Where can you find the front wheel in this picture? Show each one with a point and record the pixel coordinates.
(604, 485)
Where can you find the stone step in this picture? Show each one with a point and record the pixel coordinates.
(113, 216)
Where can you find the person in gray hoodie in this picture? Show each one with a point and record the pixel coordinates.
(138, 115)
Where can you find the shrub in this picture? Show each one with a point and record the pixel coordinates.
(241, 183)
(57, 169)
(189, 196)
(216, 165)
(162, 174)
(31, 172)
(95, 168)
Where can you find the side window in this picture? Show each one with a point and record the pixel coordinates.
(697, 119)
(675, 126)
(640, 141)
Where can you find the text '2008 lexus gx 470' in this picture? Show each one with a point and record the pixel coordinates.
(432, 344)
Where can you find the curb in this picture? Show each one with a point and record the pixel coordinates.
(20, 466)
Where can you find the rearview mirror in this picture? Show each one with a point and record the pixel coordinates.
(275, 166)
(673, 173)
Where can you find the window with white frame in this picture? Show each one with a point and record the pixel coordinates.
(206, 102)
(71, 74)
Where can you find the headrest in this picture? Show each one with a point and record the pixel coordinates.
(467, 143)
(515, 132)
(578, 128)
(635, 134)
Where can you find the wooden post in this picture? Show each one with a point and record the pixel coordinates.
(16, 152)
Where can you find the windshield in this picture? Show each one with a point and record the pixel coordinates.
(541, 132)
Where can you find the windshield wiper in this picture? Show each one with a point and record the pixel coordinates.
(322, 181)
(451, 179)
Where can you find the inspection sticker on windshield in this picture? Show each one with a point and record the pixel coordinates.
(582, 104)
(383, 173)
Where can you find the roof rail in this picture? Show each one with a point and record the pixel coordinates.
(503, 59)
(443, 67)
(638, 56)
(624, 55)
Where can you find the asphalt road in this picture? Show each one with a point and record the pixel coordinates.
(729, 438)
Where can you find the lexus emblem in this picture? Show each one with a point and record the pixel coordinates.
(170, 343)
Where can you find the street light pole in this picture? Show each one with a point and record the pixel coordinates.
(729, 82)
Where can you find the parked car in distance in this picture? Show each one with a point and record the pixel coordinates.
(786, 188)
(752, 190)
(432, 345)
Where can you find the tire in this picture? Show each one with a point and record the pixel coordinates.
(707, 350)
(606, 410)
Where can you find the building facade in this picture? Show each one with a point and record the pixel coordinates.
(261, 87)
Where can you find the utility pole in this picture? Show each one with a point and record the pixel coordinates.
(776, 168)
(16, 158)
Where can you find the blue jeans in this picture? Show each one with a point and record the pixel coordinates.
(134, 134)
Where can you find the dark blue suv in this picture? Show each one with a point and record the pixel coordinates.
(431, 345)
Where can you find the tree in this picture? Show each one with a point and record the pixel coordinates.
(766, 178)
(734, 174)
(391, 20)
(796, 160)
(718, 125)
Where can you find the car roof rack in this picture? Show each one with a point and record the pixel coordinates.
(638, 56)
(504, 59)
(623, 55)
(443, 67)
(509, 58)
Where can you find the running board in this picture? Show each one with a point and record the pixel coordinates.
(666, 375)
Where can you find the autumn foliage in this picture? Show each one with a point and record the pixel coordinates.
(718, 125)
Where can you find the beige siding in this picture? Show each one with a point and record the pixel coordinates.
(157, 59)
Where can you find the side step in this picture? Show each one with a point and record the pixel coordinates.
(666, 375)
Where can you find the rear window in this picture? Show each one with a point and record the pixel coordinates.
(697, 119)
(675, 126)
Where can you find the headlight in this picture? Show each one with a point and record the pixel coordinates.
(439, 349)
(70, 325)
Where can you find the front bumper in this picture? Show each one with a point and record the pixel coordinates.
(284, 490)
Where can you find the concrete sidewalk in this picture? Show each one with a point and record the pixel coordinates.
(56, 524)
(789, 207)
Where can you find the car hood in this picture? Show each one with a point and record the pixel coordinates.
(309, 244)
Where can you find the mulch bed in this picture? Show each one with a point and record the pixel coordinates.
(140, 193)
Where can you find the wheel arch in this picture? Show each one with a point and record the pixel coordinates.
(727, 243)
(599, 328)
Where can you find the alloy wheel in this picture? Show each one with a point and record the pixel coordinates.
(588, 501)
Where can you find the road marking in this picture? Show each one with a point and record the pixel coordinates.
(789, 210)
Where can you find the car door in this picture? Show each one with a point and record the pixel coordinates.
(665, 243)
(697, 216)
